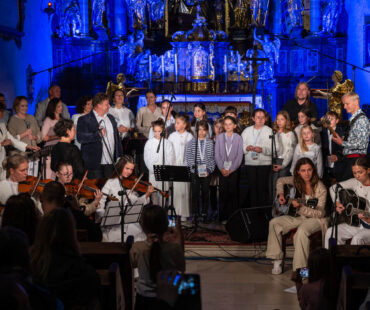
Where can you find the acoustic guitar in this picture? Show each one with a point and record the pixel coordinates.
(353, 205)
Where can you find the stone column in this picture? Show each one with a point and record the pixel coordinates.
(84, 9)
(276, 16)
(315, 16)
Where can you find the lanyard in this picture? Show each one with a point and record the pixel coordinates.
(256, 137)
(201, 152)
(228, 150)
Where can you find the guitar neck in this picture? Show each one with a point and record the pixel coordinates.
(358, 211)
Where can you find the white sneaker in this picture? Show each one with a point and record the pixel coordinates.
(277, 269)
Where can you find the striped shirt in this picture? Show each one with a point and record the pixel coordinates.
(209, 154)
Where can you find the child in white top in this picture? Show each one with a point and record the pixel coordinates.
(180, 139)
(152, 157)
(200, 113)
(170, 122)
(304, 118)
(308, 148)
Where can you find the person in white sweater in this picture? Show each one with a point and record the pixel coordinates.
(308, 148)
(287, 141)
(125, 167)
(360, 184)
(257, 150)
(180, 139)
(304, 118)
(152, 157)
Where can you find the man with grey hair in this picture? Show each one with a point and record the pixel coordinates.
(355, 144)
(54, 92)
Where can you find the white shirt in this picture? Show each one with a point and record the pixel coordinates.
(109, 138)
(123, 117)
(168, 123)
(179, 142)
(7, 188)
(287, 141)
(314, 153)
(75, 118)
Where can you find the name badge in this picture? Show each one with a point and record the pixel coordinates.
(227, 165)
(254, 155)
(202, 171)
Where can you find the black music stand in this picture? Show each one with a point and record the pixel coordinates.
(172, 174)
(112, 216)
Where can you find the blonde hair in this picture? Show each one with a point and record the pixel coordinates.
(304, 146)
(288, 124)
(353, 96)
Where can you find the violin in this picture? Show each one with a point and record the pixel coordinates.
(141, 186)
(33, 185)
(86, 188)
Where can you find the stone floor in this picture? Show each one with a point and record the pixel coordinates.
(242, 285)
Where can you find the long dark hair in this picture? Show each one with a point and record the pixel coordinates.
(185, 118)
(81, 103)
(203, 107)
(52, 106)
(122, 163)
(299, 182)
(234, 121)
(154, 221)
(56, 230)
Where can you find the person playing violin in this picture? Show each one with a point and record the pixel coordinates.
(125, 167)
(64, 173)
(16, 167)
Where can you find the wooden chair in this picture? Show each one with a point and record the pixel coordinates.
(315, 242)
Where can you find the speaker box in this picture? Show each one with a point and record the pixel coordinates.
(249, 224)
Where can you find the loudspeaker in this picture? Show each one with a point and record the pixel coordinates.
(249, 224)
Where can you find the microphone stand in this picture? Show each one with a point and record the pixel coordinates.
(122, 192)
(334, 215)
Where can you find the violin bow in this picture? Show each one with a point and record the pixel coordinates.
(136, 183)
(81, 183)
(36, 184)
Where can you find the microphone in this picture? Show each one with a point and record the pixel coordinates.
(28, 125)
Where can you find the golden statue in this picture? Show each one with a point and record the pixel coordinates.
(111, 87)
(336, 92)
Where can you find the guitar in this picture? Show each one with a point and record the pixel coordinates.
(353, 205)
(326, 123)
(288, 208)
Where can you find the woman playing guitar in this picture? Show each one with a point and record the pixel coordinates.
(308, 220)
(360, 185)
(125, 168)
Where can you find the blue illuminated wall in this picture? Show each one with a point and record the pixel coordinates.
(357, 10)
(36, 50)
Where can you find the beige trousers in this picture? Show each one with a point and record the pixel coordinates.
(279, 226)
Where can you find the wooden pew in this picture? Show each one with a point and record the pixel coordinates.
(102, 254)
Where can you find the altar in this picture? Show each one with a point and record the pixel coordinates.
(215, 103)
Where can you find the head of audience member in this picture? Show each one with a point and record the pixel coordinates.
(54, 109)
(218, 126)
(182, 123)
(118, 98)
(361, 170)
(282, 122)
(200, 113)
(20, 212)
(202, 129)
(53, 196)
(16, 167)
(318, 265)
(304, 116)
(302, 92)
(54, 92)
(259, 117)
(84, 105)
(332, 118)
(55, 231)
(304, 173)
(65, 128)
(64, 172)
(164, 107)
(158, 127)
(12, 294)
(231, 111)
(101, 104)
(230, 124)
(125, 166)
(151, 97)
(154, 224)
(20, 105)
(351, 102)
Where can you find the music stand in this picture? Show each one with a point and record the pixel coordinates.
(172, 174)
(113, 217)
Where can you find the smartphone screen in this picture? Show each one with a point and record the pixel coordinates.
(304, 272)
(189, 293)
(171, 221)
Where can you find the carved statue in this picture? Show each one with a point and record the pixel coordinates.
(219, 9)
(98, 10)
(156, 12)
(292, 14)
(72, 19)
(259, 10)
(336, 92)
(330, 16)
(137, 13)
(241, 14)
(111, 87)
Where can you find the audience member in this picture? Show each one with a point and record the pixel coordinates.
(148, 114)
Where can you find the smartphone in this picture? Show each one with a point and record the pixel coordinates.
(304, 273)
(171, 221)
(189, 292)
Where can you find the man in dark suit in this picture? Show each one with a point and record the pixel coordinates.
(332, 152)
(98, 134)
